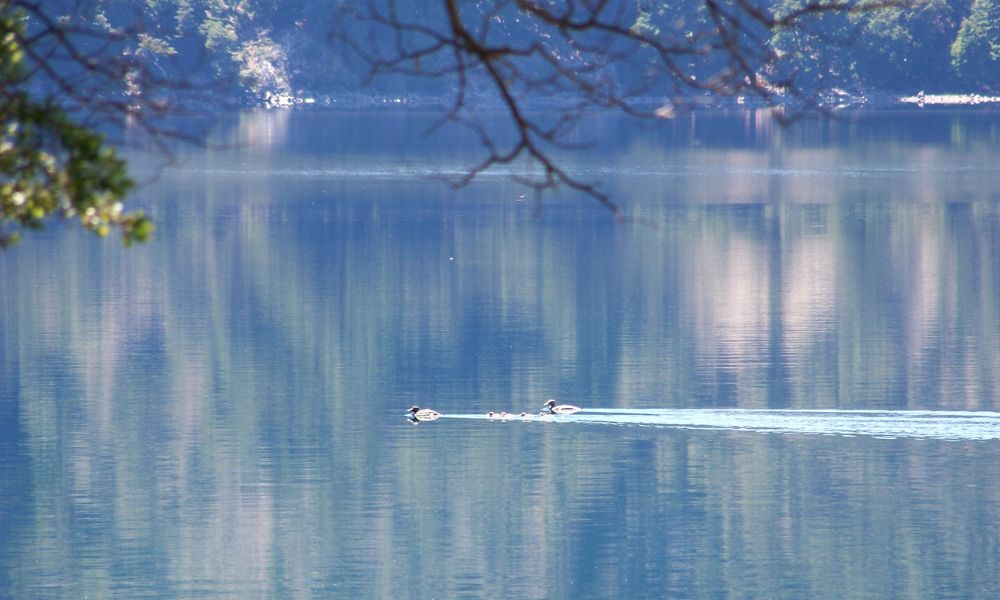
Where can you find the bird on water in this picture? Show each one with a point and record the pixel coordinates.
(423, 414)
(561, 409)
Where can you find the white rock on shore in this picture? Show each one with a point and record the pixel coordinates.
(922, 99)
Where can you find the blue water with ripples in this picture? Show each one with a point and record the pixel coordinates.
(788, 364)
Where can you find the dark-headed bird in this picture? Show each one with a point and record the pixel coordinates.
(561, 409)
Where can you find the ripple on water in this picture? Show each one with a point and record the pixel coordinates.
(944, 425)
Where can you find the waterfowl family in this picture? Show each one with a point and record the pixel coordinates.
(561, 409)
(418, 414)
(551, 406)
(423, 414)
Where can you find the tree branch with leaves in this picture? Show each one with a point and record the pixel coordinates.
(63, 81)
(52, 163)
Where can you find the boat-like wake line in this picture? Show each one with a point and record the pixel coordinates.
(944, 425)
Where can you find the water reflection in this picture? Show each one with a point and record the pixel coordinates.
(219, 413)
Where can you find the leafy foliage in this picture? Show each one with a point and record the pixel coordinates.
(976, 51)
(51, 166)
(908, 48)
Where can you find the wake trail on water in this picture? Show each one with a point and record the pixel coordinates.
(890, 424)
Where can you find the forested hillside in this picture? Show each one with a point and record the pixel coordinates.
(254, 49)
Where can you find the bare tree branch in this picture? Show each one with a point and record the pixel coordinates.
(523, 52)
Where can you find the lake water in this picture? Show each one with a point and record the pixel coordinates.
(790, 369)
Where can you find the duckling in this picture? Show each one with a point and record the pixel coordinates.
(423, 414)
(561, 409)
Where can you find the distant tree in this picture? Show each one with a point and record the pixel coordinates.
(907, 48)
(818, 51)
(976, 51)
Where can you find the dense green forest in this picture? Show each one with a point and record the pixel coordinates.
(259, 47)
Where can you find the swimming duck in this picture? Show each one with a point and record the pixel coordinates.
(561, 409)
(423, 414)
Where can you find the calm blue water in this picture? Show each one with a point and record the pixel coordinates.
(790, 369)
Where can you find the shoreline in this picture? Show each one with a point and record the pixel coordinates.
(836, 100)
(922, 99)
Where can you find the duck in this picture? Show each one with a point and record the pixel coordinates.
(423, 414)
(561, 409)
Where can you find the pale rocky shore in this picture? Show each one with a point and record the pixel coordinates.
(922, 99)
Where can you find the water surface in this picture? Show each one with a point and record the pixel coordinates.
(792, 372)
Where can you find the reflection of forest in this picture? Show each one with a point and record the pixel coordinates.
(215, 406)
